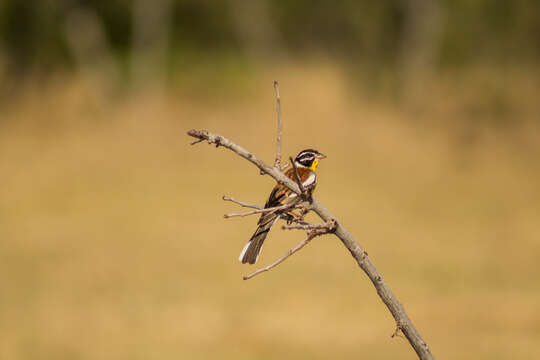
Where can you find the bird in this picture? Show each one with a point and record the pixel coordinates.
(306, 163)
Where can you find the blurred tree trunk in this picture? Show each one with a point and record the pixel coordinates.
(255, 27)
(151, 29)
(91, 51)
(419, 47)
(87, 39)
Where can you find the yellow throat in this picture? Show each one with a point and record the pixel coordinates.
(314, 165)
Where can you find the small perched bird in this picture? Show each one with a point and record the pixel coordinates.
(306, 163)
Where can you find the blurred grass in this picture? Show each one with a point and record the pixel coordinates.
(113, 243)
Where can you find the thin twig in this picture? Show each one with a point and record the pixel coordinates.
(241, 203)
(296, 177)
(196, 142)
(260, 211)
(304, 226)
(286, 217)
(397, 331)
(311, 236)
(279, 127)
(219, 140)
(314, 231)
(295, 220)
(364, 262)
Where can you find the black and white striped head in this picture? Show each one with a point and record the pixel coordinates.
(309, 158)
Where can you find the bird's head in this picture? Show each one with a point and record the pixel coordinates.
(309, 158)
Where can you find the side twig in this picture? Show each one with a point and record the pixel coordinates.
(285, 216)
(311, 235)
(260, 211)
(196, 142)
(277, 162)
(304, 226)
(241, 203)
(219, 140)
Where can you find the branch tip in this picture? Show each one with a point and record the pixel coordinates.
(284, 257)
(277, 162)
(241, 203)
(281, 208)
(314, 231)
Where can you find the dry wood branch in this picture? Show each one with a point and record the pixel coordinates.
(219, 140)
(260, 211)
(196, 142)
(311, 235)
(383, 290)
(277, 162)
(286, 217)
(241, 203)
(305, 226)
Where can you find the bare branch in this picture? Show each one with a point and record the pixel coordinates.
(329, 226)
(286, 217)
(241, 203)
(279, 127)
(260, 211)
(311, 235)
(357, 252)
(383, 290)
(196, 142)
(219, 140)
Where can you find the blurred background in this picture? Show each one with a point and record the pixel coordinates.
(112, 238)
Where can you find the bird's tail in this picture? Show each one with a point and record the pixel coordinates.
(250, 253)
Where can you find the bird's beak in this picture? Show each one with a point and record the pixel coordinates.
(321, 156)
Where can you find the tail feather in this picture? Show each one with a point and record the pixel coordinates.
(250, 253)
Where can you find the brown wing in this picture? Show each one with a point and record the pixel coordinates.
(280, 193)
(278, 196)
